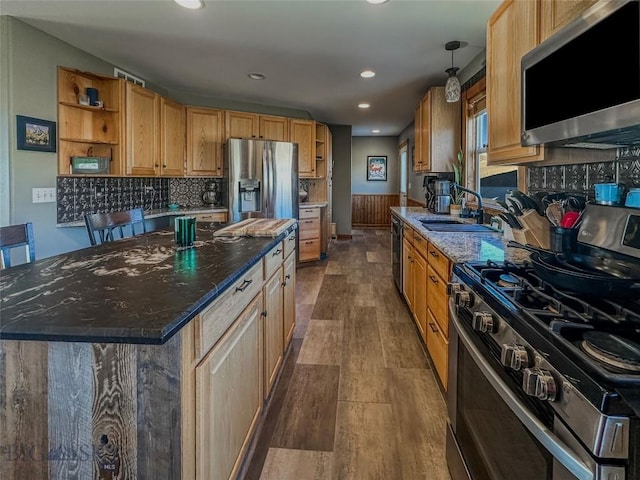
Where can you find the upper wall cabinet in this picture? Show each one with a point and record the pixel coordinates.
(143, 126)
(173, 127)
(86, 130)
(251, 125)
(205, 139)
(437, 132)
(303, 132)
(555, 14)
(511, 32)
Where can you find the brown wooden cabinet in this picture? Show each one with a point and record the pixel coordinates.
(142, 127)
(205, 140)
(85, 130)
(511, 32)
(241, 125)
(309, 233)
(274, 128)
(289, 297)
(555, 14)
(273, 330)
(173, 127)
(303, 132)
(437, 132)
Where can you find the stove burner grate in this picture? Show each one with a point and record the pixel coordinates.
(612, 350)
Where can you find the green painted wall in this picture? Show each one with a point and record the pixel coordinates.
(341, 215)
(364, 146)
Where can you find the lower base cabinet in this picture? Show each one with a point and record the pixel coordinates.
(229, 396)
(289, 297)
(273, 330)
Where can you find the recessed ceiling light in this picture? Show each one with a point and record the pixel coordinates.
(190, 4)
(363, 105)
(375, 131)
(256, 76)
(368, 74)
(377, 2)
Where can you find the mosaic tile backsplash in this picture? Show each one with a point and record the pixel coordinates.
(580, 178)
(79, 195)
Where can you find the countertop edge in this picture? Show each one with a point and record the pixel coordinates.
(159, 213)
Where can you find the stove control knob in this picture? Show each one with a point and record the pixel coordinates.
(463, 299)
(539, 383)
(483, 322)
(453, 287)
(514, 356)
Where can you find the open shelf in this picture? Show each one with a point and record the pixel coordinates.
(88, 107)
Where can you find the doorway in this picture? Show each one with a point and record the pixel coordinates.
(404, 147)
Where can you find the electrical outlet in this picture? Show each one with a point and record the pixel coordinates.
(43, 195)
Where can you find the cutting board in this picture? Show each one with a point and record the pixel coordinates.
(256, 227)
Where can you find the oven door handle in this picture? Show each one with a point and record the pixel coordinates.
(556, 447)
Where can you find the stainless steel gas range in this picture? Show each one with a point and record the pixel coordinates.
(545, 381)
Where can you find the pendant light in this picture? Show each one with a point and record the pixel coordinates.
(452, 87)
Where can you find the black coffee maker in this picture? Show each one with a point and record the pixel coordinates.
(429, 186)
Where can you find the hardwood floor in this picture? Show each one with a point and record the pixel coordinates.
(356, 399)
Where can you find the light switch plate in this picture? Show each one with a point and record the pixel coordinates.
(43, 195)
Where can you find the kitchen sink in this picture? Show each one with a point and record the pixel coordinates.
(455, 226)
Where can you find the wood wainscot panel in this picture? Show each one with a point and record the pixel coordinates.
(372, 210)
(414, 203)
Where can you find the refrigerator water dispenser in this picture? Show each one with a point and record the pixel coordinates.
(250, 195)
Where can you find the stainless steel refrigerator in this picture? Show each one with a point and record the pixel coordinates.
(262, 179)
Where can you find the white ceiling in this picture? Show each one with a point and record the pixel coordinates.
(311, 51)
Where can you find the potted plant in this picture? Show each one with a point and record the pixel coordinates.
(457, 196)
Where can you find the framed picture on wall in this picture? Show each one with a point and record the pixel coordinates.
(377, 168)
(35, 134)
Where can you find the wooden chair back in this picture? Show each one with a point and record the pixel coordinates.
(107, 225)
(14, 236)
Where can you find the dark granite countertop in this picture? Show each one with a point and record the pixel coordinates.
(137, 290)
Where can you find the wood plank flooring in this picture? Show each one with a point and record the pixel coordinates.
(356, 399)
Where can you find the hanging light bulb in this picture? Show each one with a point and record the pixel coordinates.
(452, 87)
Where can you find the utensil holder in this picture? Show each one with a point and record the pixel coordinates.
(184, 232)
(563, 239)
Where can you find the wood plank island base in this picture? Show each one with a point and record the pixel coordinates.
(146, 383)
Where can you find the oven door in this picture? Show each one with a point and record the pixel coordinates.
(396, 251)
(495, 431)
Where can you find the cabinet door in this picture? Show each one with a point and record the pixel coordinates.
(303, 132)
(242, 125)
(407, 269)
(419, 277)
(511, 32)
(417, 148)
(274, 128)
(229, 396)
(273, 330)
(289, 298)
(555, 14)
(172, 138)
(142, 130)
(425, 128)
(438, 348)
(205, 137)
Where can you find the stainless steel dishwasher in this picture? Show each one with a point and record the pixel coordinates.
(396, 250)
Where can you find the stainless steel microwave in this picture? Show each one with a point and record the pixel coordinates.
(581, 86)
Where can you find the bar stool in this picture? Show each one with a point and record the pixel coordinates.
(14, 236)
(106, 224)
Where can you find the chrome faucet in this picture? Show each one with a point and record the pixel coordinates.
(479, 213)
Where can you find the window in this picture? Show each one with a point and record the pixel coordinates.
(491, 181)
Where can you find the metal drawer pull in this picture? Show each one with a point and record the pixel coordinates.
(308, 221)
(433, 327)
(277, 252)
(292, 238)
(433, 279)
(244, 285)
(434, 254)
(287, 276)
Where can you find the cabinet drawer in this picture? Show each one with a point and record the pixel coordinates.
(290, 243)
(309, 228)
(437, 299)
(273, 260)
(408, 233)
(438, 261)
(420, 244)
(309, 213)
(211, 217)
(217, 317)
(438, 348)
(309, 250)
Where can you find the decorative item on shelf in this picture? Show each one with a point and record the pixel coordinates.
(83, 99)
(452, 87)
(92, 93)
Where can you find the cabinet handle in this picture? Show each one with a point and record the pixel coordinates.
(308, 221)
(157, 165)
(283, 284)
(434, 254)
(244, 285)
(292, 238)
(309, 242)
(164, 166)
(433, 279)
(287, 276)
(264, 313)
(276, 253)
(433, 328)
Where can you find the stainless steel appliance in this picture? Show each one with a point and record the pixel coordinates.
(601, 47)
(262, 179)
(545, 382)
(397, 226)
(442, 196)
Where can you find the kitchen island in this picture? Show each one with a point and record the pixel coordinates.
(135, 360)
